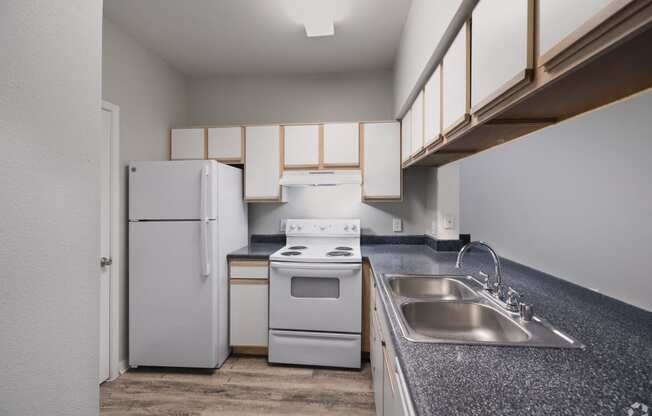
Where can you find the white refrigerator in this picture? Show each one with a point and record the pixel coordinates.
(184, 218)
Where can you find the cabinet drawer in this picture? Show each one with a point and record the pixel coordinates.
(315, 348)
(248, 269)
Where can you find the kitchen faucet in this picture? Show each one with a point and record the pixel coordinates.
(507, 295)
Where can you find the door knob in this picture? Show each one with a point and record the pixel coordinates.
(106, 261)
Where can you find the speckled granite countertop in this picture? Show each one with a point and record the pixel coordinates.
(255, 251)
(613, 372)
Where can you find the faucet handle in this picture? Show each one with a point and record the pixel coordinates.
(513, 300)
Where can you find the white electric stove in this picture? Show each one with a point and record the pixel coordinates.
(315, 295)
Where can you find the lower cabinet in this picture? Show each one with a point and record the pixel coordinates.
(390, 390)
(248, 304)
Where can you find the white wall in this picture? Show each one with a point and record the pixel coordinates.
(444, 200)
(298, 98)
(573, 200)
(49, 212)
(344, 202)
(152, 98)
(425, 25)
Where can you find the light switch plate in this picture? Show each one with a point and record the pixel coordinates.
(433, 227)
(397, 225)
(282, 226)
(449, 222)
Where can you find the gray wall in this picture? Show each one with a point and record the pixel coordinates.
(49, 214)
(152, 97)
(297, 98)
(344, 202)
(573, 200)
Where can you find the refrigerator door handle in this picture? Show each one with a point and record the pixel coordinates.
(204, 253)
(203, 203)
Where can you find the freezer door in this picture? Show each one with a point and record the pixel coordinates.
(173, 317)
(173, 190)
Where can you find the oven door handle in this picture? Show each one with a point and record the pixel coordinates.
(316, 266)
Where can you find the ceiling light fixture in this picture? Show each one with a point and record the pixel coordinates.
(318, 16)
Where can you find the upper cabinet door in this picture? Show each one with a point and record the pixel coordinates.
(262, 163)
(187, 144)
(558, 19)
(455, 85)
(501, 48)
(302, 146)
(226, 144)
(417, 124)
(432, 108)
(406, 136)
(381, 164)
(341, 145)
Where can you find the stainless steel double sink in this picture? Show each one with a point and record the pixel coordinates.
(457, 310)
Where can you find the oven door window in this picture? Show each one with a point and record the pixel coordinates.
(315, 287)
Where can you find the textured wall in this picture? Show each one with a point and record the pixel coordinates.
(152, 98)
(50, 80)
(299, 98)
(573, 200)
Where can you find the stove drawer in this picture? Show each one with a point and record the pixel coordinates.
(315, 348)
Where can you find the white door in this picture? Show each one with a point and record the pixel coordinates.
(105, 243)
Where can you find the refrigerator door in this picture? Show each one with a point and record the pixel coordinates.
(173, 190)
(173, 317)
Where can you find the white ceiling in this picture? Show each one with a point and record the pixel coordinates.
(225, 37)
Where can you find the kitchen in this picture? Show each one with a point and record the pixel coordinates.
(281, 207)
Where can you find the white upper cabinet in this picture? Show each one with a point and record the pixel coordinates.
(432, 108)
(501, 47)
(341, 144)
(262, 163)
(455, 84)
(301, 146)
(406, 136)
(226, 144)
(187, 143)
(381, 163)
(560, 18)
(417, 124)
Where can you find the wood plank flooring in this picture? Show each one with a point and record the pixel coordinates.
(243, 386)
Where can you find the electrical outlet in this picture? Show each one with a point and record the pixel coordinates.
(282, 225)
(449, 222)
(433, 228)
(397, 225)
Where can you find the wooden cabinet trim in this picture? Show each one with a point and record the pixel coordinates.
(249, 281)
(611, 15)
(249, 263)
(249, 350)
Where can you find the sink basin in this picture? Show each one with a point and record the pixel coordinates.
(451, 309)
(440, 288)
(461, 322)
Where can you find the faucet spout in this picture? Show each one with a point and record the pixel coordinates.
(481, 244)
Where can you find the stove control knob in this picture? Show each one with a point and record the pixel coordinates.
(346, 228)
(298, 228)
(293, 227)
(354, 227)
(322, 227)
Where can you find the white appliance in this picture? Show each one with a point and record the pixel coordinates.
(184, 217)
(315, 295)
(320, 177)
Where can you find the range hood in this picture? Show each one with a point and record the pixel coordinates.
(320, 177)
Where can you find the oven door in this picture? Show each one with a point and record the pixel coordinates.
(315, 296)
